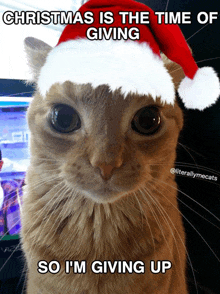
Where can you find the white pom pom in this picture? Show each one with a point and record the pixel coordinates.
(202, 91)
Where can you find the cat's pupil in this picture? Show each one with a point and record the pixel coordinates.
(64, 119)
(146, 121)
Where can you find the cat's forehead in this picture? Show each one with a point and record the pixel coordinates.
(100, 97)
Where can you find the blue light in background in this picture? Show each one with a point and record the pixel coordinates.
(4, 104)
(14, 136)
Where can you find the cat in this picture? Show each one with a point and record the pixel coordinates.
(106, 191)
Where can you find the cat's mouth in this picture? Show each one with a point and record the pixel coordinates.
(107, 194)
(102, 195)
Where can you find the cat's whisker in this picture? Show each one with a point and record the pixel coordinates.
(46, 216)
(187, 253)
(13, 191)
(65, 192)
(46, 179)
(192, 150)
(63, 211)
(50, 170)
(198, 213)
(175, 70)
(197, 31)
(208, 59)
(24, 272)
(145, 216)
(61, 195)
(49, 202)
(190, 199)
(48, 159)
(167, 5)
(200, 61)
(41, 182)
(39, 214)
(141, 209)
(41, 211)
(163, 212)
(191, 223)
(156, 203)
(156, 219)
(188, 153)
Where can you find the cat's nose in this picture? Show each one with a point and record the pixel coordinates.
(107, 159)
(106, 170)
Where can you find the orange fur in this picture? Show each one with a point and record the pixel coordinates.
(71, 213)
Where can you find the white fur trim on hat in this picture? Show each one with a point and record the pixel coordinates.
(202, 91)
(128, 65)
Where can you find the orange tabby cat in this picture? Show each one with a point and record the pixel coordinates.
(99, 187)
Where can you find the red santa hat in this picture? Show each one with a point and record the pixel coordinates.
(134, 66)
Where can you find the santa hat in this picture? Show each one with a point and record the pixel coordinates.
(134, 66)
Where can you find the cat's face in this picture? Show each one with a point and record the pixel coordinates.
(109, 145)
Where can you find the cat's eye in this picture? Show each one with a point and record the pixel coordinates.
(146, 121)
(64, 119)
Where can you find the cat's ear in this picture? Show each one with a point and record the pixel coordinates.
(174, 69)
(37, 52)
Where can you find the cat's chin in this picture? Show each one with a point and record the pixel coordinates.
(105, 195)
